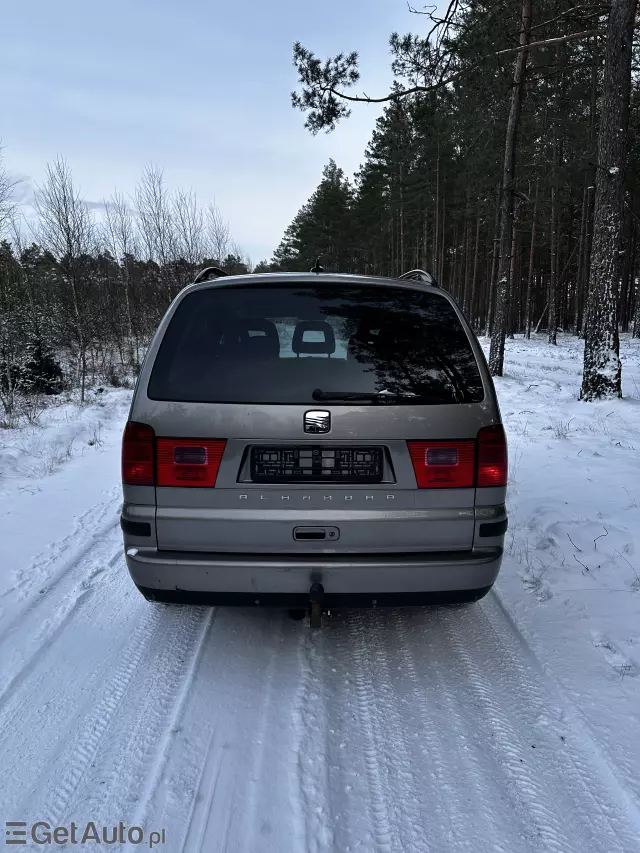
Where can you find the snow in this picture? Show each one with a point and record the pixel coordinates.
(508, 726)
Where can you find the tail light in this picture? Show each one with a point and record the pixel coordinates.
(443, 464)
(137, 455)
(452, 464)
(188, 462)
(492, 456)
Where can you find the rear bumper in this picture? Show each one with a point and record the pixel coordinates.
(295, 601)
(285, 580)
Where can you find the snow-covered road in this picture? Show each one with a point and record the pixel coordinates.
(394, 730)
(240, 730)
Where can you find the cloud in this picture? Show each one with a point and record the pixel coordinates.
(113, 89)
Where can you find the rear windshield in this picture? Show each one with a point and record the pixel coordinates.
(303, 344)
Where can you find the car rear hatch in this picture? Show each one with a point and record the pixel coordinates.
(307, 418)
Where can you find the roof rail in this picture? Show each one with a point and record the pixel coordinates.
(419, 275)
(209, 272)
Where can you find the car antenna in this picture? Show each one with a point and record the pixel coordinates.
(317, 268)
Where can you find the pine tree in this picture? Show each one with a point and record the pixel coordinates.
(602, 367)
(322, 228)
(428, 194)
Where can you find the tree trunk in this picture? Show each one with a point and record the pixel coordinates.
(554, 288)
(532, 254)
(436, 223)
(466, 277)
(580, 277)
(473, 299)
(442, 246)
(636, 285)
(632, 277)
(486, 292)
(494, 267)
(591, 181)
(539, 323)
(636, 315)
(513, 283)
(553, 278)
(402, 266)
(496, 355)
(627, 261)
(587, 255)
(425, 230)
(602, 372)
(454, 264)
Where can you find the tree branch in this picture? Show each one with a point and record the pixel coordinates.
(445, 81)
(570, 12)
(545, 42)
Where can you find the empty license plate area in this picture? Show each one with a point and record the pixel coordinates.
(316, 464)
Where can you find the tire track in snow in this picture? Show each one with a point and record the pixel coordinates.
(49, 569)
(597, 810)
(365, 706)
(530, 790)
(48, 616)
(259, 768)
(517, 708)
(310, 752)
(195, 836)
(156, 706)
(451, 728)
(505, 627)
(73, 760)
(403, 785)
(234, 764)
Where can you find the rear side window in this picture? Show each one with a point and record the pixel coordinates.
(280, 344)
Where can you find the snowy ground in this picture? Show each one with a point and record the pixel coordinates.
(508, 726)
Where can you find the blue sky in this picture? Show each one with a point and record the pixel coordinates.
(199, 88)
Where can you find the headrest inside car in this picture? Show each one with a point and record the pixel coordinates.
(305, 347)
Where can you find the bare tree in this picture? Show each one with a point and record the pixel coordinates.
(153, 209)
(154, 212)
(11, 343)
(120, 227)
(65, 227)
(86, 295)
(189, 227)
(7, 197)
(218, 233)
(122, 240)
(602, 371)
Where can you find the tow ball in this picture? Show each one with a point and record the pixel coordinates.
(316, 596)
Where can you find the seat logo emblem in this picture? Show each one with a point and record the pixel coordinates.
(317, 422)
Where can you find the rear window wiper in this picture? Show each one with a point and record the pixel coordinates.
(377, 397)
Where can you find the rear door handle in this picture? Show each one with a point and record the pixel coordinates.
(315, 534)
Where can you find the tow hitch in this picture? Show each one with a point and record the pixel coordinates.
(316, 596)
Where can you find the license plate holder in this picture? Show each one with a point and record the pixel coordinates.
(312, 463)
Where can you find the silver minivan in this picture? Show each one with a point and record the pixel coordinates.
(315, 439)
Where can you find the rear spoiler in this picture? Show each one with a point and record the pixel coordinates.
(419, 275)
